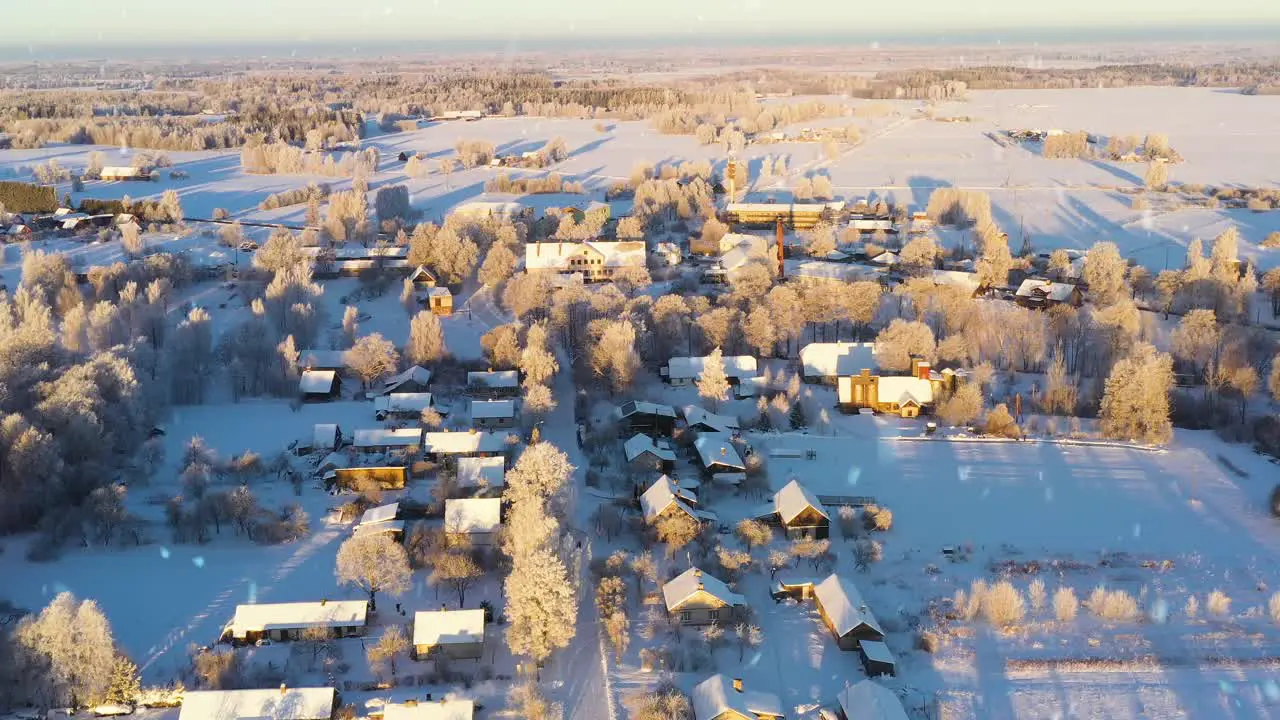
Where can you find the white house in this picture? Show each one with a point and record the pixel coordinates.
(383, 440)
(401, 405)
(595, 260)
(287, 621)
(283, 703)
(824, 362)
(465, 443)
(686, 370)
(430, 710)
(482, 473)
(697, 598)
(112, 173)
(720, 698)
(455, 634)
(478, 519)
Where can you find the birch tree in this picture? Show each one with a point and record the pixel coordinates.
(372, 357)
(713, 384)
(1104, 271)
(72, 643)
(374, 563)
(426, 339)
(903, 340)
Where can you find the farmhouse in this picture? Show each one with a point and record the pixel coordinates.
(115, 173)
(319, 385)
(388, 477)
(644, 452)
(468, 443)
(825, 362)
(455, 634)
(697, 598)
(381, 440)
(701, 420)
(904, 396)
(687, 370)
(381, 519)
(283, 703)
(430, 710)
(800, 216)
(287, 621)
(664, 497)
(596, 260)
(719, 698)
(414, 380)
(401, 405)
(494, 383)
(1043, 294)
(717, 455)
(475, 520)
(490, 414)
(323, 360)
(870, 700)
(799, 513)
(483, 474)
(844, 612)
(635, 416)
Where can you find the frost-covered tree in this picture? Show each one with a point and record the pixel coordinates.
(426, 343)
(73, 650)
(963, 406)
(539, 402)
(131, 239)
(374, 563)
(499, 264)
(1195, 340)
(540, 475)
(456, 570)
(614, 356)
(541, 605)
(391, 202)
(995, 261)
(821, 240)
(191, 357)
(759, 331)
(903, 340)
(390, 646)
(281, 250)
(371, 358)
(1104, 272)
(919, 254)
(501, 346)
(1135, 401)
(536, 360)
(713, 384)
(350, 325)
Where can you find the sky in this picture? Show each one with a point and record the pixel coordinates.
(162, 22)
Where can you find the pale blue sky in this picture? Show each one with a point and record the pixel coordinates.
(238, 21)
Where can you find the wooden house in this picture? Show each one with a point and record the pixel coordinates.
(700, 420)
(288, 621)
(493, 414)
(444, 445)
(439, 300)
(722, 698)
(398, 405)
(1043, 294)
(383, 519)
(899, 395)
(319, 385)
(493, 383)
(799, 513)
(869, 700)
(665, 497)
(876, 658)
(844, 612)
(696, 598)
(799, 216)
(416, 379)
(453, 634)
(826, 362)
(635, 416)
(645, 453)
(381, 440)
(482, 475)
(717, 455)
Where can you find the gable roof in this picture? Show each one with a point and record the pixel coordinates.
(735, 366)
(1040, 288)
(794, 499)
(715, 448)
(430, 710)
(695, 415)
(871, 700)
(381, 437)
(482, 471)
(743, 249)
(639, 444)
(662, 494)
(678, 590)
(316, 381)
(957, 278)
(902, 389)
(323, 359)
(402, 402)
(485, 409)
(715, 696)
(382, 513)
(632, 407)
(448, 627)
(839, 358)
(421, 273)
(826, 270)
(556, 255)
(278, 616)
(494, 379)
(843, 605)
(312, 703)
(467, 441)
(417, 373)
(324, 435)
(472, 515)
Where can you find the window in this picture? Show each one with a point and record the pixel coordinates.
(714, 614)
(685, 616)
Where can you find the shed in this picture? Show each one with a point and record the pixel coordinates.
(695, 597)
(876, 658)
(283, 703)
(381, 519)
(844, 612)
(439, 300)
(287, 621)
(494, 383)
(717, 455)
(319, 385)
(870, 700)
(414, 380)
(478, 520)
(455, 634)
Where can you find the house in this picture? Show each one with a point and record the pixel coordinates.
(844, 612)
(454, 634)
(644, 452)
(467, 443)
(720, 698)
(323, 360)
(887, 259)
(17, 232)
(384, 440)
(288, 621)
(381, 519)
(387, 477)
(717, 455)
(421, 278)
(800, 216)
(635, 416)
(430, 710)
(490, 414)
(966, 281)
(825, 362)
(697, 598)
(484, 474)
(907, 396)
(870, 700)
(283, 703)
(476, 520)
(1043, 294)
(494, 383)
(824, 270)
(439, 301)
(115, 173)
(799, 513)
(481, 209)
(664, 498)
(319, 385)
(596, 260)
(414, 380)
(871, 224)
(326, 437)
(667, 254)
(706, 247)
(701, 420)
(688, 370)
(401, 405)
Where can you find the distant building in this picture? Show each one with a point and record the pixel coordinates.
(479, 210)
(596, 260)
(416, 379)
(688, 370)
(907, 396)
(284, 703)
(430, 710)
(484, 475)
(116, 173)
(721, 698)
(800, 216)
(322, 360)
(700, 420)
(466, 443)
(454, 634)
(402, 405)
(319, 385)
(665, 498)
(717, 455)
(288, 621)
(845, 613)
(384, 440)
(326, 437)
(697, 598)
(646, 453)
(1043, 294)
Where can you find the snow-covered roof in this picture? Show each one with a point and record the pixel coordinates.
(557, 255)
(679, 589)
(843, 605)
(871, 700)
(494, 379)
(482, 208)
(381, 513)
(482, 471)
(824, 270)
(448, 627)
(631, 407)
(1041, 288)
(793, 499)
(661, 495)
(838, 358)
(314, 703)
(788, 208)
(316, 381)
(472, 515)
(323, 359)
(640, 444)
(122, 171)
(735, 366)
(489, 409)
(401, 437)
(390, 526)
(902, 389)
(430, 710)
(438, 292)
(467, 441)
(421, 273)
(715, 449)
(886, 258)
(876, 650)
(402, 402)
(871, 223)
(285, 616)
(716, 696)
(695, 415)
(417, 373)
(957, 278)
(324, 435)
(743, 249)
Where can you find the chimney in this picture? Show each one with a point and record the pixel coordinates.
(922, 370)
(737, 684)
(781, 270)
(283, 688)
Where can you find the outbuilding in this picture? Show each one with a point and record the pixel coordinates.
(717, 455)
(319, 385)
(453, 634)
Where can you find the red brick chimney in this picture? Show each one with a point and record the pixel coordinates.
(781, 271)
(922, 369)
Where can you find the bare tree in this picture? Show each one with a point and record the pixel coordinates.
(390, 646)
(375, 563)
(426, 339)
(372, 357)
(457, 570)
